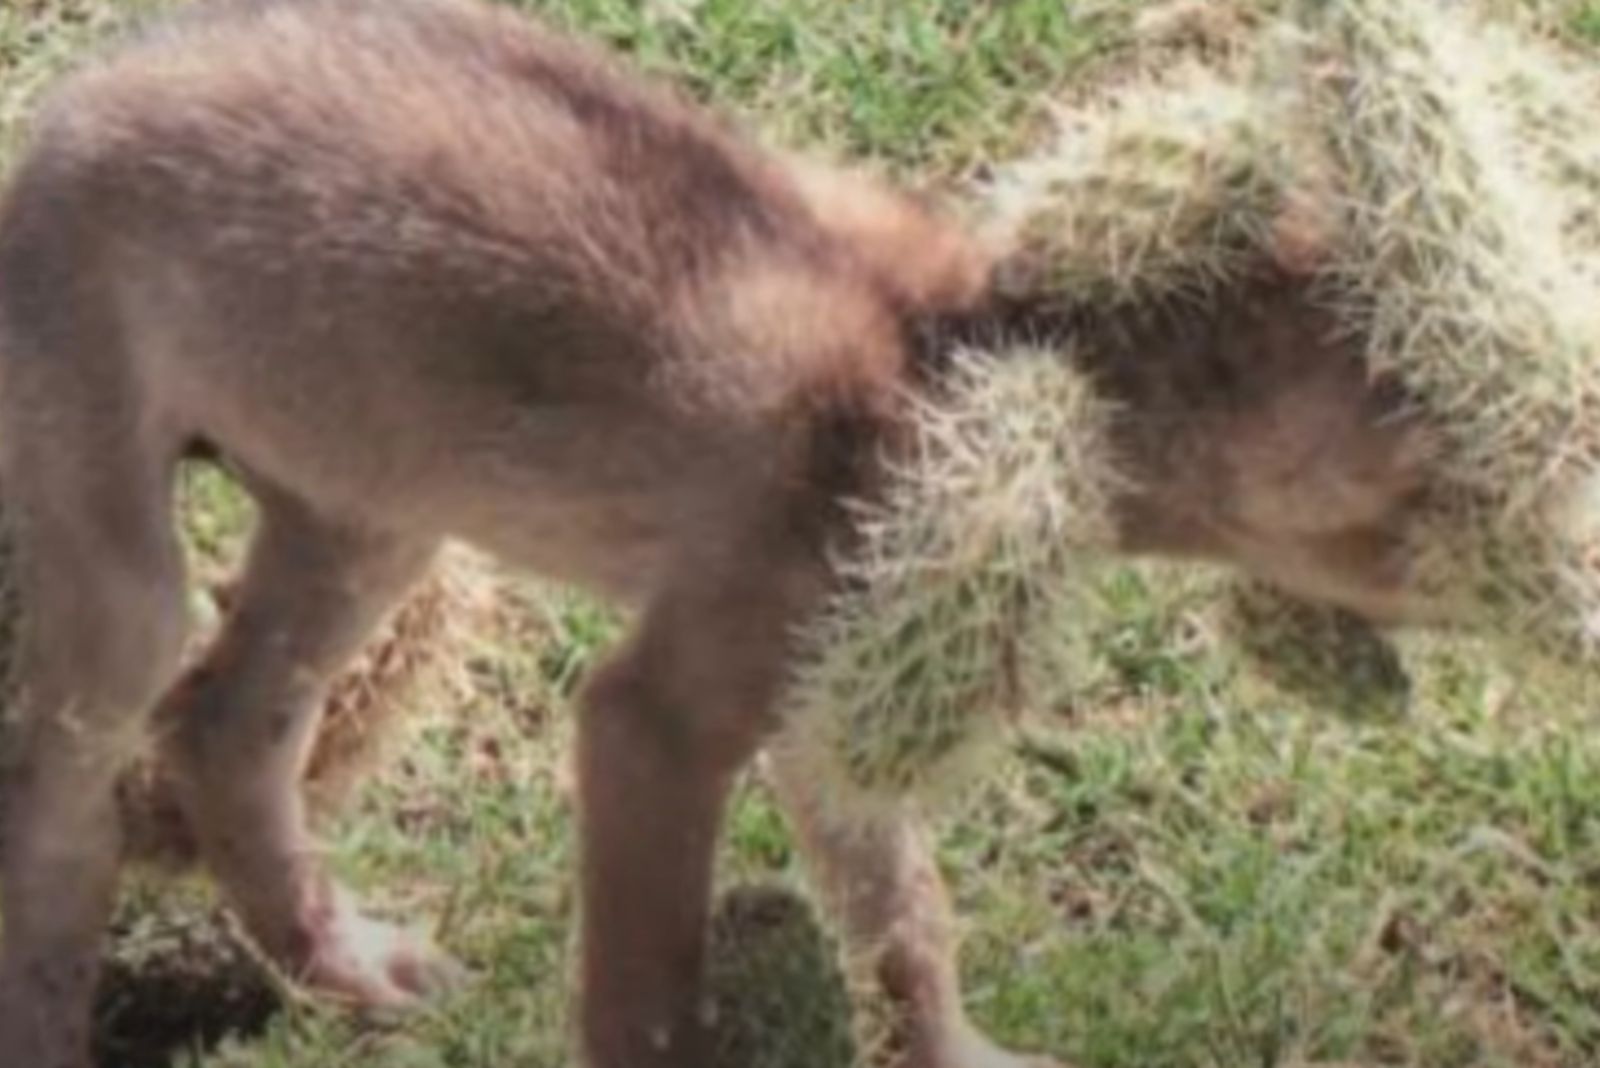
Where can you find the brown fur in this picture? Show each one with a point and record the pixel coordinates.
(1254, 436)
(1250, 433)
(421, 272)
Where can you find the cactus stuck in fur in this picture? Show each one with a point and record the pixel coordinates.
(1457, 169)
(954, 599)
(1155, 193)
(1331, 658)
(1463, 264)
(1432, 178)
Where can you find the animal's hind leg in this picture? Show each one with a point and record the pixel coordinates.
(101, 583)
(879, 880)
(241, 728)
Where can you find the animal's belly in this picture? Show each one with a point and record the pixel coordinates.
(617, 548)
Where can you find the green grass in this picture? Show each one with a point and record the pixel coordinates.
(1186, 869)
(939, 84)
(1586, 22)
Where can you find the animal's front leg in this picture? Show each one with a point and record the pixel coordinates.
(877, 874)
(665, 727)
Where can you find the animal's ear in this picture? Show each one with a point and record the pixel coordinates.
(932, 262)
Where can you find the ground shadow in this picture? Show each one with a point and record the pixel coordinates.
(780, 997)
(176, 983)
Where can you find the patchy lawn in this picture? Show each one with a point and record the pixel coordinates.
(1187, 869)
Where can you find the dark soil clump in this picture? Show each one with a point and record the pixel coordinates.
(176, 984)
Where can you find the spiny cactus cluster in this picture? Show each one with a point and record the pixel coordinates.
(1465, 261)
(1451, 166)
(955, 595)
(1457, 163)
(1158, 192)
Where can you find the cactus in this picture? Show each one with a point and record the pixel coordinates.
(1463, 268)
(1450, 169)
(1459, 165)
(1161, 192)
(958, 602)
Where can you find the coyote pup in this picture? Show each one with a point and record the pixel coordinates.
(418, 270)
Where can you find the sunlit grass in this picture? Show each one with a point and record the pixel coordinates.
(1184, 870)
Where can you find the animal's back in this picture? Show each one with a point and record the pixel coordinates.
(397, 125)
(422, 259)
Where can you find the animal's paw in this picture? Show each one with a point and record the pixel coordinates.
(970, 1048)
(374, 966)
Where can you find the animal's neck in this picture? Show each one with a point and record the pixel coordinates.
(1249, 431)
